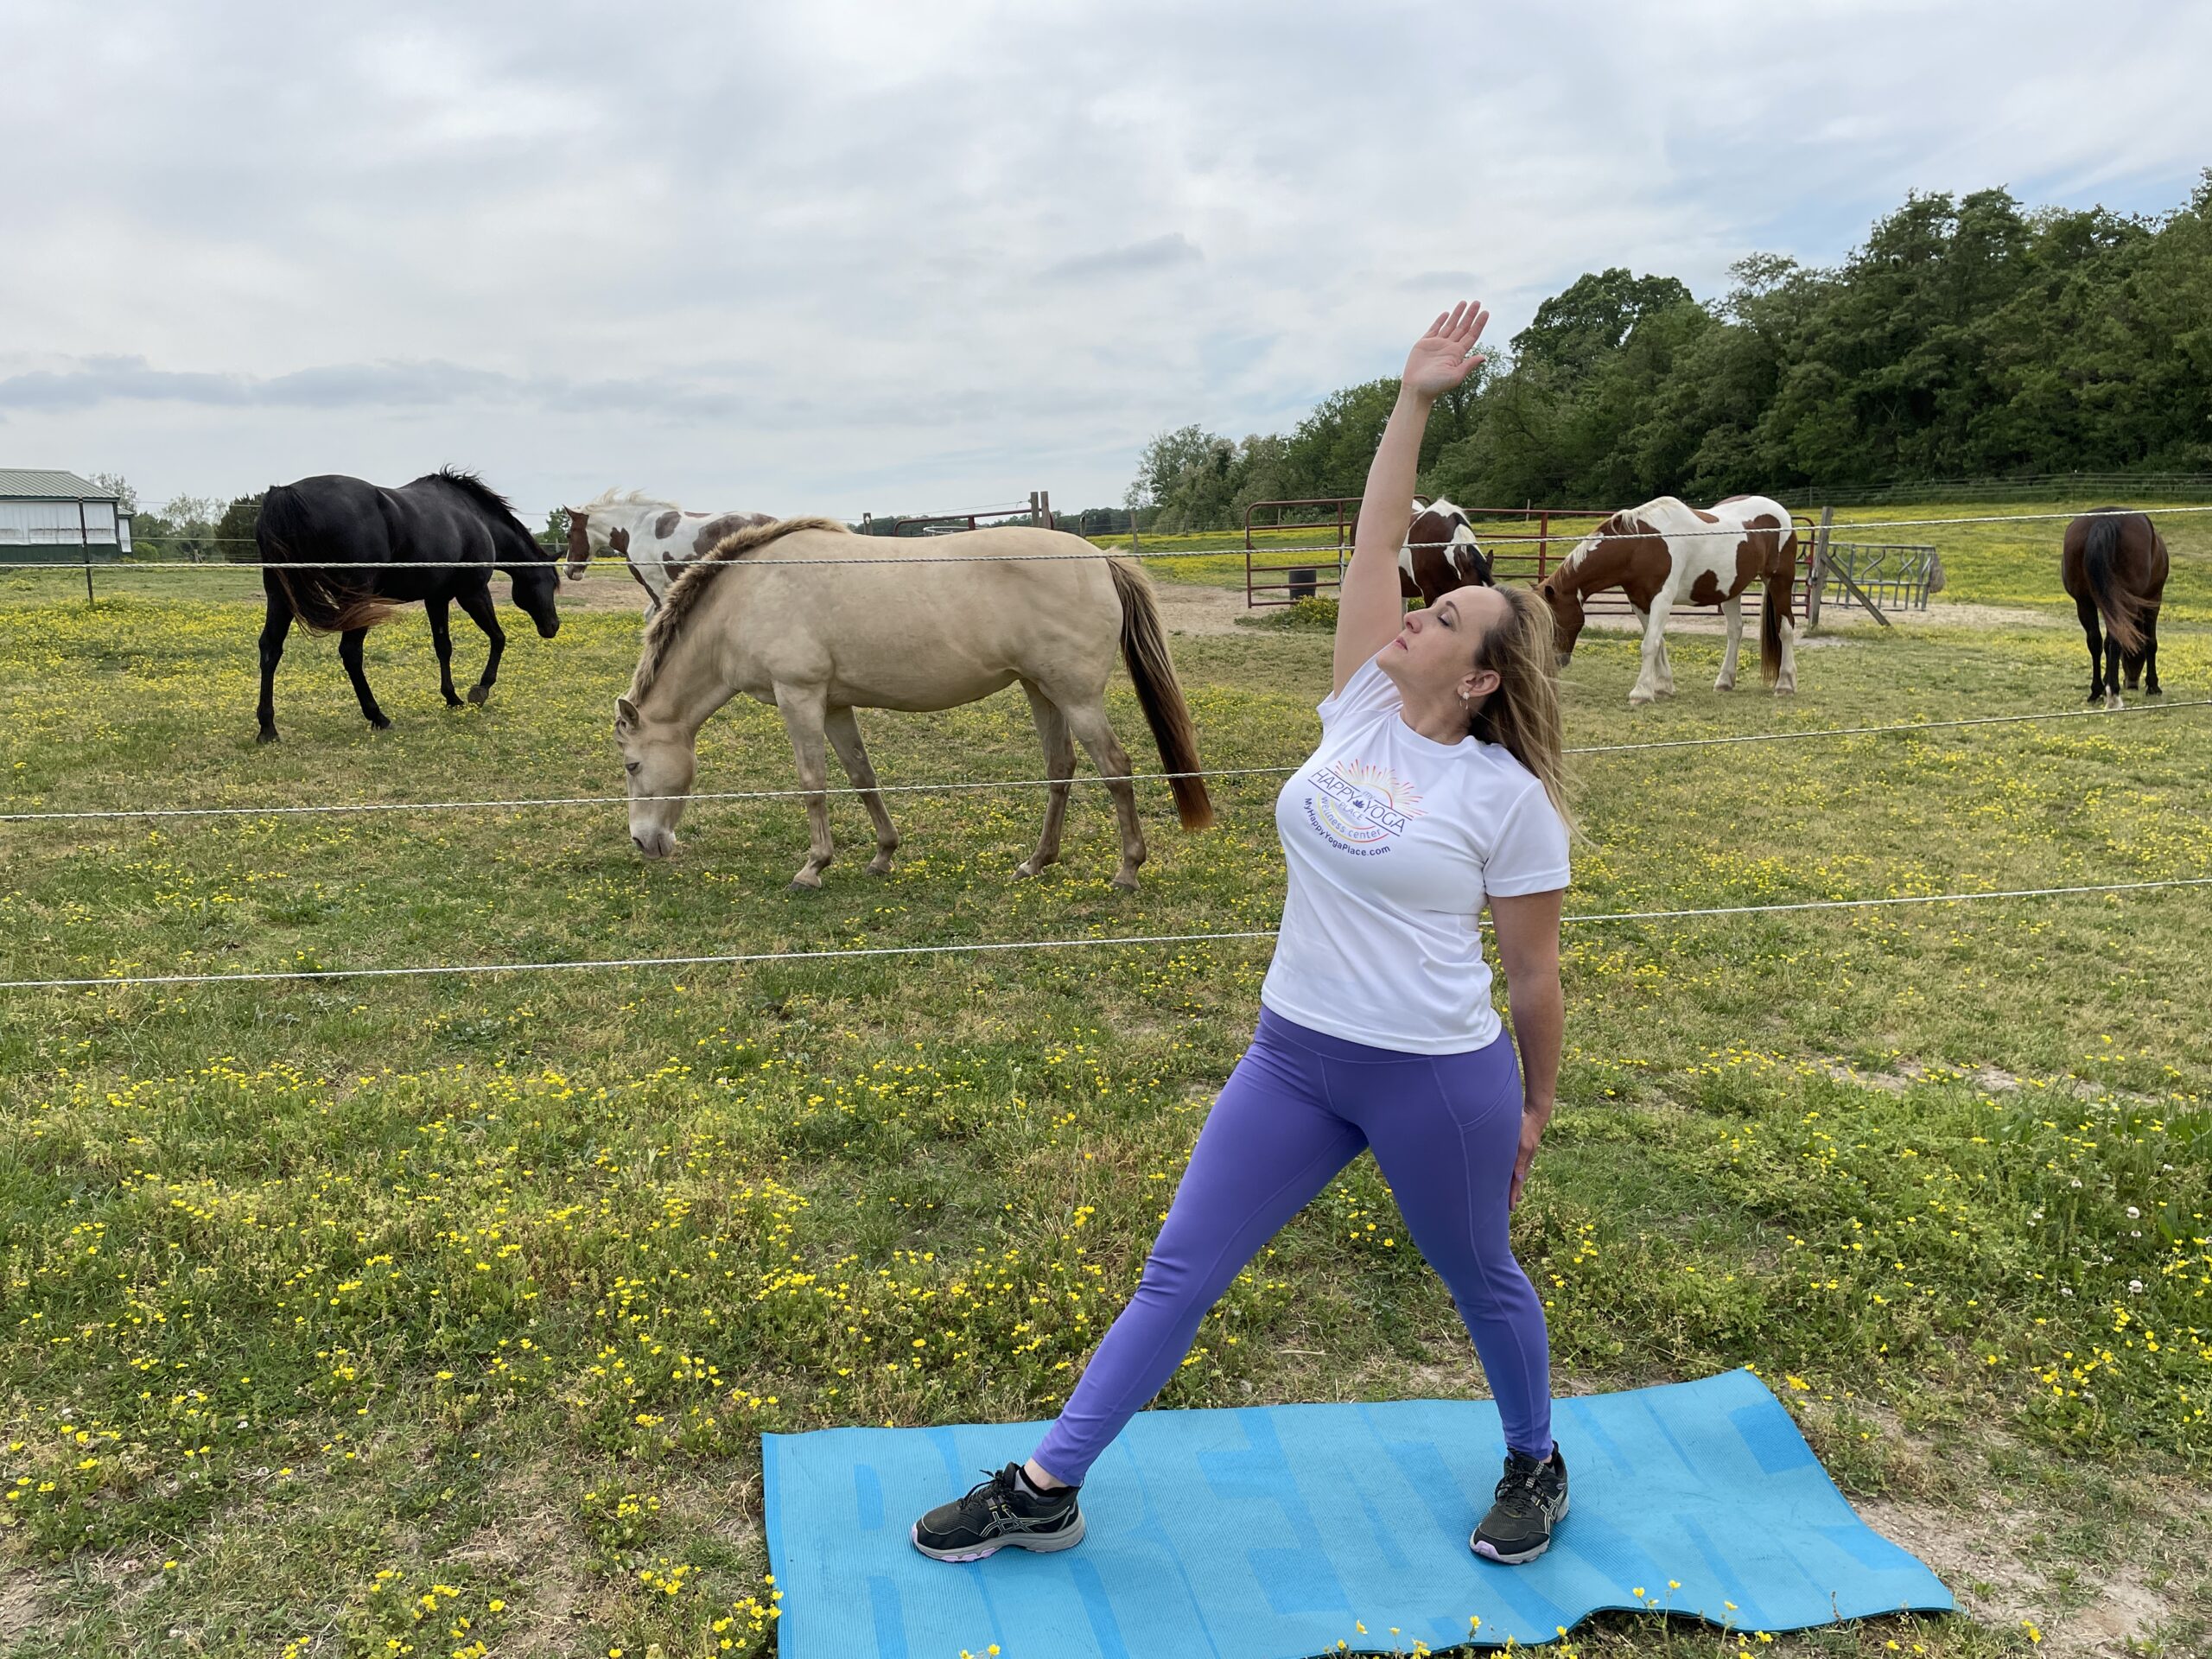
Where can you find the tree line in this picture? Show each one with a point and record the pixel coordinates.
(1967, 338)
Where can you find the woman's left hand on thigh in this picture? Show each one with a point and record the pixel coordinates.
(1532, 1130)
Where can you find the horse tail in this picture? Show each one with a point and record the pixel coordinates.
(323, 603)
(1144, 648)
(2099, 552)
(1775, 610)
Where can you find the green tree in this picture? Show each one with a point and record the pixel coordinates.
(234, 530)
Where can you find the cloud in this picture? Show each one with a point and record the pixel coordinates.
(827, 256)
(1161, 253)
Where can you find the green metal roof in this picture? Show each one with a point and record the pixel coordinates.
(39, 485)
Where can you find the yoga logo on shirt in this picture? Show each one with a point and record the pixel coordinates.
(1360, 804)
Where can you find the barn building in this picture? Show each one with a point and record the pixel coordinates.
(58, 516)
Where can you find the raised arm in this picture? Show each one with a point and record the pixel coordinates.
(1369, 610)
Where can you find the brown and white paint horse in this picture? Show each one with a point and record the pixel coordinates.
(2114, 565)
(656, 538)
(1440, 553)
(1666, 553)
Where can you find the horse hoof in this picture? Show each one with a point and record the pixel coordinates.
(1635, 701)
(378, 723)
(1125, 884)
(878, 869)
(479, 695)
(811, 889)
(267, 734)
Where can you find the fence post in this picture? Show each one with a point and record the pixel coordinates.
(84, 545)
(1820, 568)
(1544, 542)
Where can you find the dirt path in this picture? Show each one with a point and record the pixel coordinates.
(1187, 607)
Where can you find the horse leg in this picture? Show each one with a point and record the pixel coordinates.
(1647, 688)
(805, 713)
(279, 623)
(845, 737)
(1087, 719)
(1732, 609)
(2151, 686)
(2086, 609)
(477, 601)
(349, 652)
(442, 642)
(2112, 673)
(1785, 682)
(1060, 765)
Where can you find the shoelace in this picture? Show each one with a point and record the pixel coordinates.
(1516, 1489)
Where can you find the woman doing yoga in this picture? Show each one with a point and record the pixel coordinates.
(1436, 792)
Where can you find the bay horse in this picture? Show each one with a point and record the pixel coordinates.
(1666, 553)
(437, 540)
(817, 639)
(656, 538)
(1439, 554)
(2113, 565)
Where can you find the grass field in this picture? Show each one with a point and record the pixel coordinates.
(443, 1315)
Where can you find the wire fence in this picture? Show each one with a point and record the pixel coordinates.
(908, 559)
(259, 976)
(962, 785)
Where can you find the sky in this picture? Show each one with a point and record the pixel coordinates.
(843, 257)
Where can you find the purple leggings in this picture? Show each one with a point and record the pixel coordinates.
(1299, 1107)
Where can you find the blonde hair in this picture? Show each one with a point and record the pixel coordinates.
(1522, 715)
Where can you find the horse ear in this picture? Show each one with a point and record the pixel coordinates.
(626, 714)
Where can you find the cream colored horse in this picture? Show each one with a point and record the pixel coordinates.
(818, 639)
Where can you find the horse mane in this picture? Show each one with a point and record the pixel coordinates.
(486, 498)
(688, 590)
(613, 496)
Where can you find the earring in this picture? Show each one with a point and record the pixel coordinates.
(1463, 696)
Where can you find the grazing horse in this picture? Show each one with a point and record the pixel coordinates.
(1440, 553)
(818, 639)
(656, 538)
(437, 540)
(1665, 553)
(2114, 563)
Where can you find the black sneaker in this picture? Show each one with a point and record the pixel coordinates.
(997, 1513)
(1531, 1499)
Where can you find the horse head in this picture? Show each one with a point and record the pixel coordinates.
(1562, 589)
(658, 764)
(596, 528)
(579, 542)
(1440, 553)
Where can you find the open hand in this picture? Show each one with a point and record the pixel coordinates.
(1440, 358)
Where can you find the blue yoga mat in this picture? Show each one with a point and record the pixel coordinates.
(1265, 1533)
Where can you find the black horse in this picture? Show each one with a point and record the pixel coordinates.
(436, 540)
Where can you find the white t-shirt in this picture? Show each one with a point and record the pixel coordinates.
(1394, 842)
